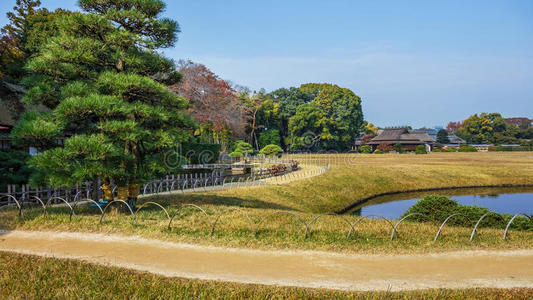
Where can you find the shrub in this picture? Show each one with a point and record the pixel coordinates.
(378, 152)
(509, 149)
(398, 147)
(243, 147)
(366, 149)
(236, 154)
(437, 149)
(451, 149)
(421, 149)
(436, 208)
(467, 148)
(385, 147)
(271, 150)
(493, 148)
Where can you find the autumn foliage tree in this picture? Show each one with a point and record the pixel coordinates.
(454, 126)
(212, 102)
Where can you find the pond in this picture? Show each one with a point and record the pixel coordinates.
(501, 200)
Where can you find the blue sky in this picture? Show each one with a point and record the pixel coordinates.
(419, 63)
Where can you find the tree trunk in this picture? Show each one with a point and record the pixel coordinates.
(108, 193)
(133, 192)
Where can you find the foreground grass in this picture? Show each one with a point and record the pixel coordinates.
(356, 176)
(32, 277)
(282, 231)
(351, 177)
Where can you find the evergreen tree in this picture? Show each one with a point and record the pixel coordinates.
(104, 80)
(442, 137)
(13, 38)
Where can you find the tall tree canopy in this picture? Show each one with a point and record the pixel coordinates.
(488, 128)
(312, 117)
(326, 117)
(442, 137)
(13, 38)
(213, 103)
(104, 80)
(279, 107)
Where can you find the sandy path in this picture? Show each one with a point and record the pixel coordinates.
(289, 268)
(305, 172)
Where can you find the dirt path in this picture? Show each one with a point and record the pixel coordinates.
(305, 172)
(289, 268)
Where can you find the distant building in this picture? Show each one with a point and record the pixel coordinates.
(522, 122)
(455, 139)
(433, 135)
(5, 140)
(10, 110)
(482, 147)
(430, 131)
(408, 139)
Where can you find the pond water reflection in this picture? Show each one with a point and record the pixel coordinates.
(501, 200)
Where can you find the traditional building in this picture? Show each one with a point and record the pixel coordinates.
(520, 122)
(408, 139)
(11, 108)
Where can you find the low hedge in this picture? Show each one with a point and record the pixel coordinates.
(436, 208)
(467, 148)
(510, 149)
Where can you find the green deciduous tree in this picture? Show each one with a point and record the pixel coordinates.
(270, 136)
(309, 128)
(481, 128)
(103, 78)
(335, 115)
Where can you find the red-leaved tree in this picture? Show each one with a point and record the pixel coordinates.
(213, 102)
(367, 138)
(454, 126)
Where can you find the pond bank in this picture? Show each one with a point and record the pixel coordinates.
(366, 199)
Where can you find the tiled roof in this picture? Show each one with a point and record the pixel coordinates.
(403, 136)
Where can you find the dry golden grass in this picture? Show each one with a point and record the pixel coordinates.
(357, 176)
(31, 277)
(351, 177)
(234, 229)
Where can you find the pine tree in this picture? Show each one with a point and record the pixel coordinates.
(442, 137)
(13, 38)
(106, 83)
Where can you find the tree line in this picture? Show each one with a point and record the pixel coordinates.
(112, 104)
(492, 128)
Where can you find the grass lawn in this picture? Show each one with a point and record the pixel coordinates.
(350, 178)
(356, 176)
(282, 231)
(31, 277)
